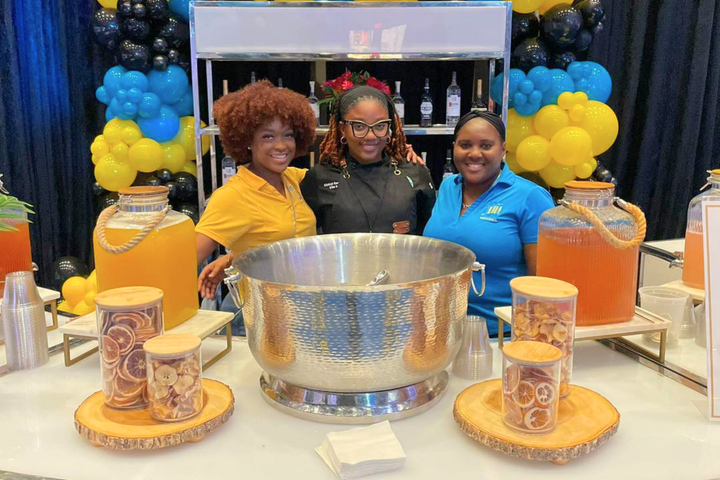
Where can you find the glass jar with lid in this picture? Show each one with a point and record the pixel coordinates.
(531, 386)
(591, 240)
(142, 241)
(694, 258)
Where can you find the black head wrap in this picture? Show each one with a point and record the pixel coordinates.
(492, 118)
(347, 98)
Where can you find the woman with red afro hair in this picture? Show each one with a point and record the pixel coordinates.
(263, 128)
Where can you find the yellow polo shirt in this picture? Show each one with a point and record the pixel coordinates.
(248, 212)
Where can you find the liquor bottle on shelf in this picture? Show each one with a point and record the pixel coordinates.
(448, 170)
(426, 106)
(228, 166)
(453, 102)
(314, 103)
(479, 103)
(399, 103)
(280, 84)
(253, 78)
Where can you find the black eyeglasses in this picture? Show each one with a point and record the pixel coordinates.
(361, 129)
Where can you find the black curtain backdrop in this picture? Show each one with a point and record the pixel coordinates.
(663, 56)
(49, 70)
(664, 59)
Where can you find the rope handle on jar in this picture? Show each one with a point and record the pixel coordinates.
(135, 241)
(607, 235)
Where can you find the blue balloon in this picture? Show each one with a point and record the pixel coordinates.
(181, 7)
(149, 106)
(162, 127)
(535, 97)
(109, 115)
(496, 89)
(103, 95)
(112, 79)
(526, 87)
(134, 79)
(169, 84)
(115, 107)
(519, 98)
(134, 95)
(527, 109)
(121, 96)
(540, 76)
(516, 76)
(184, 106)
(130, 109)
(599, 83)
(560, 83)
(581, 85)
(575, 70)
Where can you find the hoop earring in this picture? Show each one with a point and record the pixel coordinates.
(343, 140)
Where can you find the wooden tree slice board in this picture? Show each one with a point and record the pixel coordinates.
(136, 430)
(586, 420)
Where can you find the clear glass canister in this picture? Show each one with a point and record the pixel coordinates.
(694, 259)
(174, 377)
(165, 258)
(127, 318)
(14, 237)
(591, 243)
(543, 310)
(531, 382)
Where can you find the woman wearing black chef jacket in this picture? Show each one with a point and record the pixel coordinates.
(363, 183)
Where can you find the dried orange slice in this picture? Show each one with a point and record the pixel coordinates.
(134, 367)
(545, 394)
(124, 337)
(511, 379)
(524, 396)
(126, 390)
(131, 319)
(110, 350)
(538, 418)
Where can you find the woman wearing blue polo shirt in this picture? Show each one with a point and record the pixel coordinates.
(490, 210)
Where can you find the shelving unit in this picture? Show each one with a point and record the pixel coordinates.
(321, 32)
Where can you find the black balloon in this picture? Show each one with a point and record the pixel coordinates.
(136, 29)
(184, 63)
(561, 60)
(592, 11)
(173, 191)
(530, 53)
(160, 62)
(153, 181)
(173, 57)
(583, 41)
(139, 11)
(614, 181)
(160, 45)
(598, 28)
(175, 31)
(66, 267)
(157, 9)
(134, 56)
(135, 2)
(106, 28)
(603, 175)
(187, 186)
(524, 25)
(124, 9)
(560, 26)
(97, 189)
(164, 175)
(190, 210)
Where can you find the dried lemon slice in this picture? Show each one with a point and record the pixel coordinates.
(545, 394)
(538, 418)
(166, 375)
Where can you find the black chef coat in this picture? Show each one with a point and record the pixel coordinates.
(373, 199)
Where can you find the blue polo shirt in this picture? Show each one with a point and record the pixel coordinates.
(495, 228)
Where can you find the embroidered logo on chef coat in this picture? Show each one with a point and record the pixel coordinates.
(331, 185)
(492, 213)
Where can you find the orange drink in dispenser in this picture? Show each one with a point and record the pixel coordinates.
(694, 264)
(592, 244)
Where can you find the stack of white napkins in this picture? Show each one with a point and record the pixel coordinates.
(362, 451)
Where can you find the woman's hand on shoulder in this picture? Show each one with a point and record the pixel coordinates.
(413, 157)
(212, 275)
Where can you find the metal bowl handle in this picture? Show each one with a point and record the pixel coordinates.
(478, 267)
(232, 280)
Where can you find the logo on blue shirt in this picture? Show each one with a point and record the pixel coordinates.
(492, 212)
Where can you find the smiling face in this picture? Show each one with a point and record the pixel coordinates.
(478, 152)
(369, 149)
(273, 147)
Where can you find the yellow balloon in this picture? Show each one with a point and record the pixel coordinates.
(73, 290)
(577, 113)
(526, 6)
(108, 3)
(548, 4)
(512, 162)
(601, 124)
(556, 175)
(173, 156)
(131, 135)
(571, 146)
(113, 174)
(584, 170)
(566, 101)
(64, 306)
(191, 168)
(99, 147)
(83, 308)
(549, 120)
(186, 138)
(90, 299)
(518, 128)
(113, 131)
(146, 155)
(593, 162)
(95, 159)
(91, 283)
(533, 153)
(120, 150)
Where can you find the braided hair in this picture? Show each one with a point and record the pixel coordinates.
(333, 151)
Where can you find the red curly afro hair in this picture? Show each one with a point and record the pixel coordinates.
(240, 114)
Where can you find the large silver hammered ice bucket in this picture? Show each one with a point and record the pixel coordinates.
(312, 322)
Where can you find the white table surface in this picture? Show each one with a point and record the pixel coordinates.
(662, 433)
